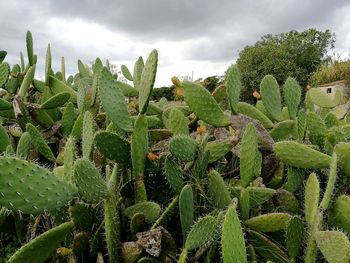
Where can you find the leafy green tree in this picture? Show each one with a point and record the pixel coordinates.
(295, 54)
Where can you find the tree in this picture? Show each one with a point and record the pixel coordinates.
(295, 54)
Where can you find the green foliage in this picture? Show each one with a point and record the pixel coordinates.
(296, 54)
(331, 73)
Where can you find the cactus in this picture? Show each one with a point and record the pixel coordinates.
(252, 112)
(204, 105)
(89, 182)
(334, 245)
(233, 244)
(4, 139)
(248, 153)
(31, 189)
(295, 177)
(111, 215)
(283, 130)
(148, 77)
(138, 68)
(244, 203)
(40, 143)
(183, 147)
(316, 128)
(301, 156)
(268, 222)
(68, 118)
(218, 190)
(126, 73)
(151, 211)
(294, 236)
(27, 81)
(292, 96)
(113, 147)
(331, 183)
(40, 248)
(69, 158)
(312, 194)
(88, 134)
(218, 149)
(341, 211)
(167, 214)
(301, 125)
(4, 73)
(58, 86)
(139, 150)
(173, 174)
(233, 87)
(201, 232)
(186, 208)
(55, 101)
(331, 120)
(271, 97)
(178, 122)
(113, 101)
(23, 146)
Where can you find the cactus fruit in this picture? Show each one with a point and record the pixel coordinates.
(40, 143)
(292, 95)
(201, 232)
(151, 211)
(268, 222)
(233, 87)
(173, 174)
(186, 209)
(31, 189)
(89, 182)
(218, 190)
(271, 97)
(334, 245)
(233, 244)
(294, 236)
(148, 77)
(113, 101)
(204, 105)
(40, 248)
(301, 156)
(183, 147)
(248, 153)
(113, 147)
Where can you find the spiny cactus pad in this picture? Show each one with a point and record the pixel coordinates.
(334, 245)
(268, 222)
(40, 248)
(292, 95)
(89, 182)
(201, 232)
(151, 211)
(253, 112)
(113, 147)
(271, 97)
(204, 105)
(31, 189)
(218, 190)
(233, 87)
(233, 243)
(186, 209)
(300, 155)
(113, 101)
(183, 147)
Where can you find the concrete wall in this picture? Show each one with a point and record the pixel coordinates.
(331, 88)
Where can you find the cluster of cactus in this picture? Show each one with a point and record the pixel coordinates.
(93, 171)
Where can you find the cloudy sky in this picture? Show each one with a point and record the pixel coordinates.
(202, 36)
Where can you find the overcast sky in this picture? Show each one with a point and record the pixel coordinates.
(202, 36)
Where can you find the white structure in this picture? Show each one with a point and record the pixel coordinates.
(331, 88)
